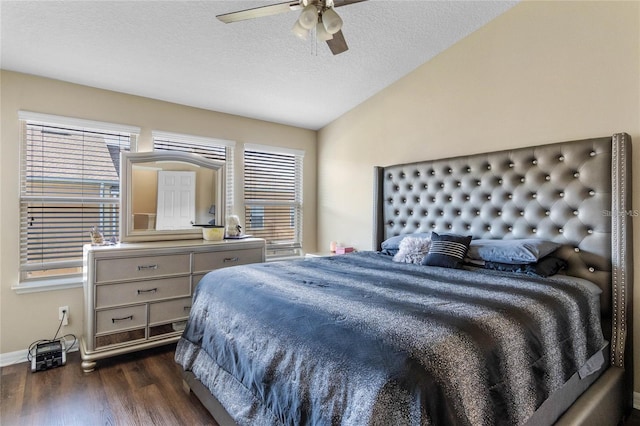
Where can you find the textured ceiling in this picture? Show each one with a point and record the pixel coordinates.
(179, 52)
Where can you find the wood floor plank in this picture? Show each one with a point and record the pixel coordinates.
(144, 388)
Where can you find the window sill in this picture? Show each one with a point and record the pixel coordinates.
(37, 286)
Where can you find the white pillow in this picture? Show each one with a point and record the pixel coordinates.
(412, 250)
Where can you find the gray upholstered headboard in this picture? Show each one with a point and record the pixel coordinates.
(577, 193)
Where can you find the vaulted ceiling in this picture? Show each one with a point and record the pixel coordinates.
(178, 51)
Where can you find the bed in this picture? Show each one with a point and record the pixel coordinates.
(363, 339)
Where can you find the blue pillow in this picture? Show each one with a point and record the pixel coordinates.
(391, 245)
(447, 250)
(528, 250)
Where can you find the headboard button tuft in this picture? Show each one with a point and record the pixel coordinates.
(561, 158)
(592, 192)
(592, 153)
(592, 269)
(576, 175)
(576, 249)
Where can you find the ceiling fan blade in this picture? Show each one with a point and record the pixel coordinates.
(259, 12)
(338, 44)
(338, 3)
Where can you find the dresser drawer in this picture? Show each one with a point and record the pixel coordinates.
(170, 310)
(108, 270)
(112, 320)
(142, 291)
(203, 262)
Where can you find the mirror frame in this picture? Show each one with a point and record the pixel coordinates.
(129, 159)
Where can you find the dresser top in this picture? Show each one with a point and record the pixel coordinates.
(229, 244)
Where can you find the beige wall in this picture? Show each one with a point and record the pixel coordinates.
(540, 73)
(25, 318)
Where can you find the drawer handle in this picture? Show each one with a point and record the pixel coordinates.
(231, 259)
(151, 290)
(130, 318)
(147, 267)
(186, 308)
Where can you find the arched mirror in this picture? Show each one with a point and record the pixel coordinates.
(164, 194)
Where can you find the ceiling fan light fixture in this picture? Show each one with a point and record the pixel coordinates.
(300, 31)
(321, 32)
(331, 21)
(308, 17)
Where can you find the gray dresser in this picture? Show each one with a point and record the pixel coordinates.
(138, 295)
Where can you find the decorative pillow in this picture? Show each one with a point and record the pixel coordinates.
(412, 250)
(523, 251)
(391, 245)
(547, 266)
(447, 250)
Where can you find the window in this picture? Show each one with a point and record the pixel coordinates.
(273, 198)
(69, 183)
(213, 149)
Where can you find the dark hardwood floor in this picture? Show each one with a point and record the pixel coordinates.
(144, 388)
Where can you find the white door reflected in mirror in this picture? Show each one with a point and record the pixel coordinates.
(176, 200)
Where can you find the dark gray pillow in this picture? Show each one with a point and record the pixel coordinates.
(391, 245)
(447, 250)
(545, 267)
(528, 250)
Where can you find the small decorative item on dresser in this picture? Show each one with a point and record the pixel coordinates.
(234, 229)
(332, 246)
(97, 239)
(212, 232)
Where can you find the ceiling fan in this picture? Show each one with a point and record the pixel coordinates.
(315, 13)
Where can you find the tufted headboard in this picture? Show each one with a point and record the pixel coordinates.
(576, 193)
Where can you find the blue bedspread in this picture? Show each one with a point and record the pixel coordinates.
(359, 339)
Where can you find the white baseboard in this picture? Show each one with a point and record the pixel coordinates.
(636, 400)
(17, 357)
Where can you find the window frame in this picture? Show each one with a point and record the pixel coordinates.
(294, 247)
(84, 127)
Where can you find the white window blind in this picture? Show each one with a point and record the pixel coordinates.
(213, 149)
(273, 198)
(69, 183)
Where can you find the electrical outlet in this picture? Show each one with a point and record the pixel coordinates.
(63, 314)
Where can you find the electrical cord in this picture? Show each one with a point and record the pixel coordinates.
(34, 345)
